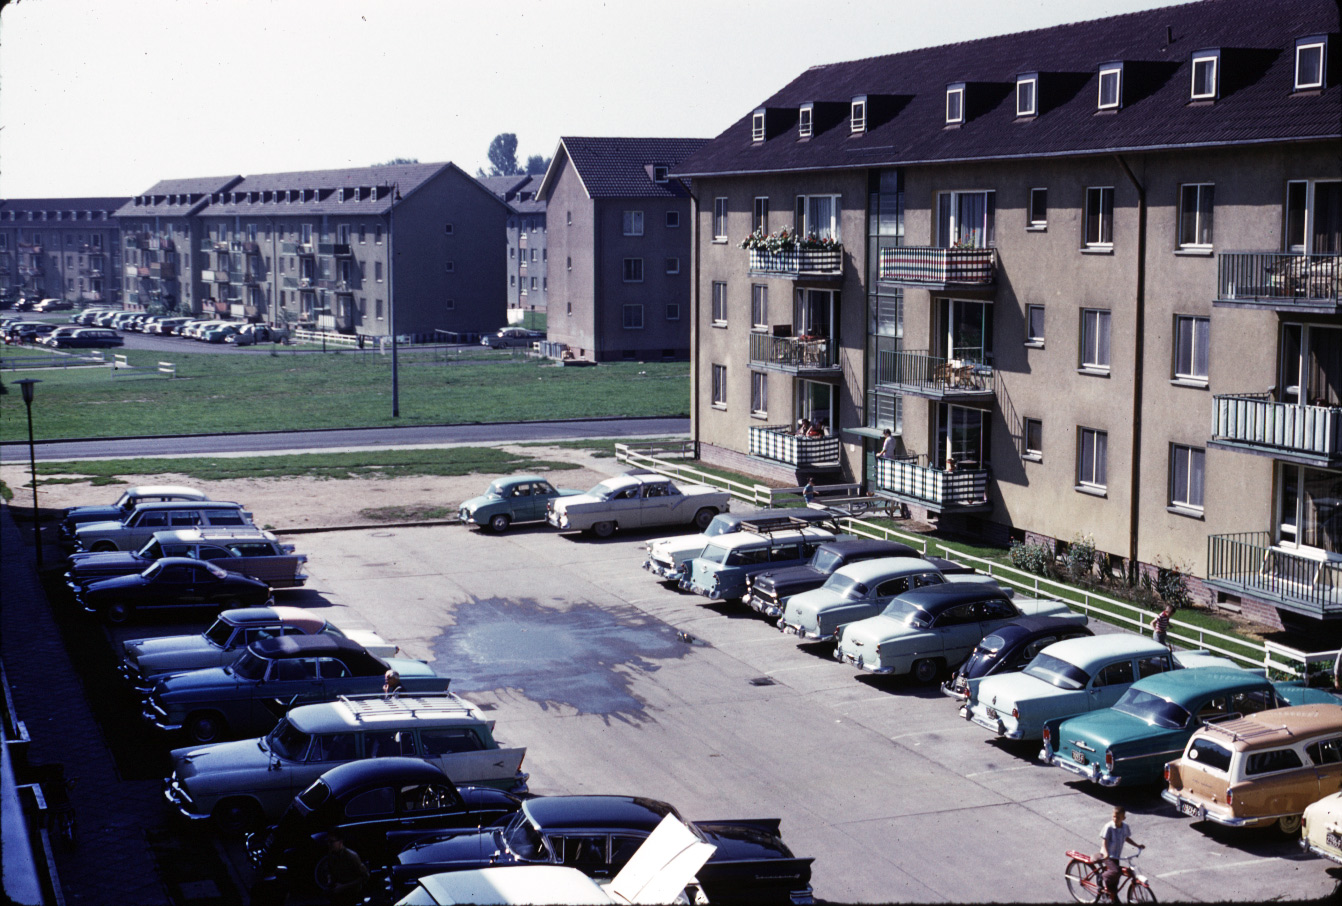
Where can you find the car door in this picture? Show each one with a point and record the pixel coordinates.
(1326, 755)
(525, 503)
(288, 682)
(587, 851)
(958, 629)
(1109, 683)
(657, 504)
(624, 507)
(427, 806)
(171, 586)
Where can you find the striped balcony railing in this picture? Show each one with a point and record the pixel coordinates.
(914, 371)
(1256, 421)
(1278, 280)
(793, 354)
(797, 261)
(288, 282)
(938, 267)
(777, 442)
(936, 488)
(1247, 564)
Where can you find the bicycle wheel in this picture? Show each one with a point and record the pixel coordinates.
(1083, 881)
(1140, 892)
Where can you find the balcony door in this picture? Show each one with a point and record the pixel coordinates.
(965, 220)
(962, 437)
(815, 401)
(1314, 217)
(966, 331)
(1311, 365)
(815, 313)
(1309, 508)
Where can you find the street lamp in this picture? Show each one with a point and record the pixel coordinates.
(26, 385)
(391, 298)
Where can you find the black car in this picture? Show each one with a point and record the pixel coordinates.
(363, 801)
(172, 583)
(91, 338)
(1009, 648)
(769, 591)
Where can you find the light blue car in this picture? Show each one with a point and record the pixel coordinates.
(720, 571)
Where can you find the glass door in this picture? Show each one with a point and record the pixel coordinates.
(815, 401)
(967, 334)
(962, 438)
(1309, 507)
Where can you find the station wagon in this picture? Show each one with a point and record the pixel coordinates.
(139, 527)
(720, 571)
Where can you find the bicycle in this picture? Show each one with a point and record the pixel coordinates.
(1085, 879)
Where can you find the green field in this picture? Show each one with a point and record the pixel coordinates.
(259, 391)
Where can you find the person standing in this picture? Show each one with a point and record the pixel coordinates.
(392, 684)
(1160, 625)
(341, 873)
(1113, 835)
(809, 492)
(887, 445)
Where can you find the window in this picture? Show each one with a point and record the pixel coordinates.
(1271, 761)
(377, 234)
(1100, 217)
(568, 218)
(1034, 439)
(1095, 339)
(1326, 751)
(1191, 338)
(966, 219)
(955, 104)
(818, 216)
(1309, 57)
(1187, 474)
(673, 311)
(757, 126)
(660, 174)
(720, 303)
(633, 270)
(1027, 95)
(377, 271)
(633, 317)
(633, 223)
(377, 308)
(1038, 209)
(1195, 216)
(759, 306)
(1092, 458)
(512, 279)
(447, 228)
(804, 118)
(759, 219)
(363, 234)
(450, 267)
(1313, 217)
(568, 262)
(1117, 673)
(719, 386)
(719, 219)
(1034, 325)
(673, 265)
(857, 118)
(1204, 76)
(759, 393)
(672, 220)
(1111, 81)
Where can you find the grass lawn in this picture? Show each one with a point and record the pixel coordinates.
(287, 391)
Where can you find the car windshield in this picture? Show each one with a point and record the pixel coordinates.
(287, 741)
(826, 561)
(523, 840)
(152, 551)
(602, 491)
(217, 571)
(715, 554)
(152, 570)
(1056, 672)
(219, 633)
(845, 587)
(495, 489)
(907, 614)
(125, 501)
(991, 644)
(721, 525)
(251, 667)
(1153, 709)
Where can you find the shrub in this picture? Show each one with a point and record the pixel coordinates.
(1079, 558)
(1032, 558)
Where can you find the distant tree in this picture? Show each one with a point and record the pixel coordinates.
(503, 156)
(398, 160)
(537, 164)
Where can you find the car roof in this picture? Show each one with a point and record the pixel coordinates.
(379, 712)
(850, 546)
(936, 598)
(1027, 627)
(515, 884)
(297, 617)
(1091, 650)
(390, 770)
(158, 490)
(879, 568)
(217, 533)
(188, 504)
(1177, 685)
(518, 479)
(1276, 726)
(181, 561)
(302, 645)
(552, 813)
(745, 539)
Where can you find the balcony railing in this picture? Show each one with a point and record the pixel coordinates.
(823, 262)
(936, 489)
(778, 443)
(794, 354)
(938, 268)
(1279, 280)
(1256, 422)
(206, 244)
(936, 377)
(289, 282)
(1247, 564)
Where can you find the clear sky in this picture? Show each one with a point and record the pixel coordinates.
(105, 97)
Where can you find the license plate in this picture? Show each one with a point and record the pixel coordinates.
(1333, 839)
(1189, 809)
(1079, 757)
(992, 714)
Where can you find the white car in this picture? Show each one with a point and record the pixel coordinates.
(637, 499)
(668, 557)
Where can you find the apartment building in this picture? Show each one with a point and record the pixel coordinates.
(1087, 276)
(620, 230)
(528, 281)
(60, 248)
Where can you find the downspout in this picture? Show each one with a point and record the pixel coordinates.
(695, 333)
(1138, 356)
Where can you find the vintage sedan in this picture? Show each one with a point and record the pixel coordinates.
(172, 584)
(124, 506)
(1151, 723)
(251, 551)
(144, 660)
(509, 337)
(138, 528)
(768, 592)
(517, 498)
(1009, 649)
(727, 563)
(669, 558)
(91, 338)
(1321, 828)
(929, 629)
(637, 499)
(249, 697)
(363, 801)
(599, 834)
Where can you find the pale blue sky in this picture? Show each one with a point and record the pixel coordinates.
(105, 98)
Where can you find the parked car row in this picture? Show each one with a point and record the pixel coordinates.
(206, 330)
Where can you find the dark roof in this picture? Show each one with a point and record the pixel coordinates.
(907, 93)
(1028, 627)
(518, 192)
(860, 546)
(250, 616)
(622, 167)
(288, 646)
(381, 771)
(553, 813)
(935, 598)
(322, 190)
(80, 206)
(176, 197)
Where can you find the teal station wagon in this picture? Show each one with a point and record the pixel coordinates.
(517, 498)
(720, 571)
(855, 592)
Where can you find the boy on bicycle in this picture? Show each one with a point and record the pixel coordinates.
(1113, 835)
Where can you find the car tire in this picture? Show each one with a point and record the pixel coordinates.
(603, 529)
(704, 517)
(103, 547)
(499, 523)
(926, 670)
(205, 726)
(1289, 825)
(118, 612)
(237, 815)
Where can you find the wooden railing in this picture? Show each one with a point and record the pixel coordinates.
(1278, 278)
(931, 266)
(1255, 419)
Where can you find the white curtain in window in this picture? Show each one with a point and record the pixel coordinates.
(820, 221)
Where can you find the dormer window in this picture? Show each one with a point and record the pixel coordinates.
(804, 119)
(1027, 94)
(1206, 73)
(757, 126)
(955, 104)
(1309, 56)
(1111, 86)
(857, 118)
(659, 175)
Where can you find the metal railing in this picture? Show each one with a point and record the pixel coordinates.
(931, 266)
(916, 369)
(1277, 278)
(779, 443)
(1258, 420)
(938, 487)
(1250, 562)
(792, 352)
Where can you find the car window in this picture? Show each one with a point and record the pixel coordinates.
(335, 747)
(1326, 751)
(1210, 754)
(426, 797)
(180, 517)
(255, 549)
(153, 550)
(581, 851)
(214, 553)
(1119, 672)
(1034, 647)
(1216, 707)
(1057, 672)
(998, 609)
(448, 740)
(262, 632)
(542, 488)
(522, 490)
(333, 669)
(780, 552)
(374, 803)
(889, 587)
(153, 519)
(654, 490)
(1148, 666)
(957, 616)
(227, 517)
(1253, 701)
(294, 669)
(622, 848)
(1271, 760)
(385, 743)
(180, 574)
(745, 556)
(287, 741)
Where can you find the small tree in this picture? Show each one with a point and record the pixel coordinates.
(503, 156)
(536, 164)
(398, 160)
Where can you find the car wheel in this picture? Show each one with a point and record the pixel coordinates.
(204, 726)
(236, 815)
(704, 517)
(118, 612)
(500, 522)
(926, 670)
(102, 547)
(1289, 825)
(603, 529)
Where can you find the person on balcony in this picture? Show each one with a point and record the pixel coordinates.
(818, 429)
(887, 445)
(804, 428)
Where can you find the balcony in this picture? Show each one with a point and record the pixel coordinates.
(252, 278)
(1255, 423)
(220, 245)
(811, 356)
(934, 377)
(777, 443)
(928, 267)
(289, 282)
(1279, 282)
(251, 248)
(1248, 565)
(163, 270)
(325, 283)
(798, 264)
(91, 295)
(339, 249)
(960, 490)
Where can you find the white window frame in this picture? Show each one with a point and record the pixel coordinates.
(720, 219)
(757, 126)
(1318, 45)
(805, 214)
(673, 265)
(1200, 63)
(1035, 452)
(633, 316)
(1193, 493)
(1027, 95)
(1306, 245)
(719, 386)
(1096, 340)
(805, 120)
(759, 306)
(719, 303)
(1203, 215)
(1104, 239)
(949, 228)
(633, 270)
(759, 394)
(1111, 75)
(1097, 443)
(857, 115)
(633, 223)
(1198, 330)
(1034, 222)
(955, 104)
(759, 218)
(1034, 337)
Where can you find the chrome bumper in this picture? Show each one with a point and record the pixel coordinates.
(669, 573)
(1199, 812)
(856, 660)
(180, 800)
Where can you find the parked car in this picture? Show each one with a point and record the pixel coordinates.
(169, 326)
(930, 629)
(668, 558)
(53, 305)
(1151, 723)
(138, 528)
(251, 551)
(721, 571)
(517, 498)
(91, 338)
(637, 500)
(529, 884)
(218, 333)
(1009, 648)
(512, 336)
(30, 331)
(768, 592)
(125, 505)
(105, 319)
(172, 584)
(1071, 677)
(143, 661)
(240, 783)
(362, 801)
(251, 334)
(1263, 769)
(248, 697)
(53, 339)
(1321, 828)
(598, 834)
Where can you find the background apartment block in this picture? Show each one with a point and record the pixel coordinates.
(1089, 278)
(528, 282)
(620, 234)
(60, 248)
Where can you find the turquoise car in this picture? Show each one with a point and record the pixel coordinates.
(720, 571)
(517, 498)
(1129, 743)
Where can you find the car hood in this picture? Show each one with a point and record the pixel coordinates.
(219, 758)
(471, 847)
(86, 513)
(682, 547)
(107, 560)
(115, 585)
(88, 528)
(188, 657)
(169, 644)
(208, 678)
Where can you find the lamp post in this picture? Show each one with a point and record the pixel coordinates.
(391, 298)
(27, 386)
